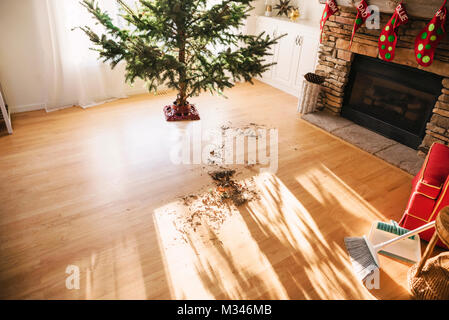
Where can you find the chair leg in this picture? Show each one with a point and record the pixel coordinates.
(427, 253)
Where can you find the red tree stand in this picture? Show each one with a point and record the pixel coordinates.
(181, 112)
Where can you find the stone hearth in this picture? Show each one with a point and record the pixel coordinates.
(335, 59)
(388, 150)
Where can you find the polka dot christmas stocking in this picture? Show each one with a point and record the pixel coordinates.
(362, 14)
(428, 39)
(330, 9)
(389, 37)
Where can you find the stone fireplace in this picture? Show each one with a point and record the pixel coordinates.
(391, 99)
(411, 103)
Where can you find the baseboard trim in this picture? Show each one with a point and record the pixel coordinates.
(28, 107)
(41, 106)
(292, 91)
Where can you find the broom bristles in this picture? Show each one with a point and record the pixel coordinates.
(362, 260)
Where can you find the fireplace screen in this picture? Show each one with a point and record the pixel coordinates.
(394, 100)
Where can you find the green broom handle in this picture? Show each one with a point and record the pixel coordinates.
(405, 236)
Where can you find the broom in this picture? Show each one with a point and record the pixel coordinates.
(364, 256)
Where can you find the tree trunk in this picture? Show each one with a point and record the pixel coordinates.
(181, 103)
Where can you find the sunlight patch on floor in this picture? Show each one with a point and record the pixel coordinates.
(271, 248)
(343, 203)
(209, 265)
(284, 216)
(322, 261)
(328, 189)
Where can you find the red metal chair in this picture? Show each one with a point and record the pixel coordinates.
(430, 192)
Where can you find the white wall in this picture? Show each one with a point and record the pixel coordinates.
(20, 55)
(309, 9)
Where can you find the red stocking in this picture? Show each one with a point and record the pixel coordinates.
(330, 9)
(362, 14)
(429, 38)
(389, 37)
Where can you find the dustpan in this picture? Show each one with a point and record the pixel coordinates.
(408, 250)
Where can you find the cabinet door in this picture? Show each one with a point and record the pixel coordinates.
(267, 26)
(286, 58)
(308, 53)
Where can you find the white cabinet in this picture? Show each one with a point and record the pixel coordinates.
(286, 56)
(294, 55)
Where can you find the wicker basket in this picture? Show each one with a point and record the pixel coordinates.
(433, 282)
(309, 93)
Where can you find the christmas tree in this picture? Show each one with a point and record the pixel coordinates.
(176, 43)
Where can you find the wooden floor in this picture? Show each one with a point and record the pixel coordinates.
(90, 188)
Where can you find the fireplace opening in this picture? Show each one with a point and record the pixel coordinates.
(393, 100)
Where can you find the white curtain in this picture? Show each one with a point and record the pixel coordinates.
(73, 75)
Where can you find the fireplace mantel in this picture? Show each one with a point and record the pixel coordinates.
(415, 8)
